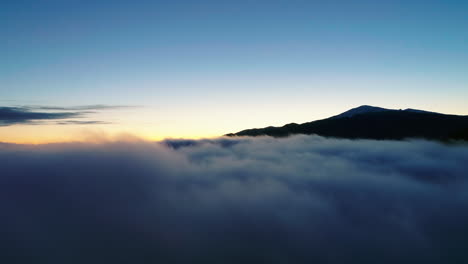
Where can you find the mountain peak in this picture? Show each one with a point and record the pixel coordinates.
(373, 122)
(361, 110)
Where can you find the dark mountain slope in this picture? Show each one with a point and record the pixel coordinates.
(361, 110)
(377, 123)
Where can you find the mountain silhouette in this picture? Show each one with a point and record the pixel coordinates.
(370, 122)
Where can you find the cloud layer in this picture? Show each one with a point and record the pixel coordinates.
(304, 199)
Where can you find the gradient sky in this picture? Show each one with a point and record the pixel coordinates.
(205, 68)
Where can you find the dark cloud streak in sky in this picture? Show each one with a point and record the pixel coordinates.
(81, 108)
(34, 115)
(18, 115)
(76, 122)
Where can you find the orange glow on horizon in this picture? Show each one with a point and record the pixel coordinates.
(185, 123)
(46, 134)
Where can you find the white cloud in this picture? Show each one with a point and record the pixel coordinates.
(301, 199)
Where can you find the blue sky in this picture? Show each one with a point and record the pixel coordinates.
(288, 61)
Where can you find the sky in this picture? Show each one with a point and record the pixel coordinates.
(194, 69)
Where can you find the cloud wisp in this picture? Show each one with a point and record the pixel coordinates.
(303, 199)
(80, 108)
(77, 122)
(61, 115)
(19, 115)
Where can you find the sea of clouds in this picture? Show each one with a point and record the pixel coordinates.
(302, 199)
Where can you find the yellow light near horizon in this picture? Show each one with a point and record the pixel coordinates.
(184, 122)
(45, 134)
